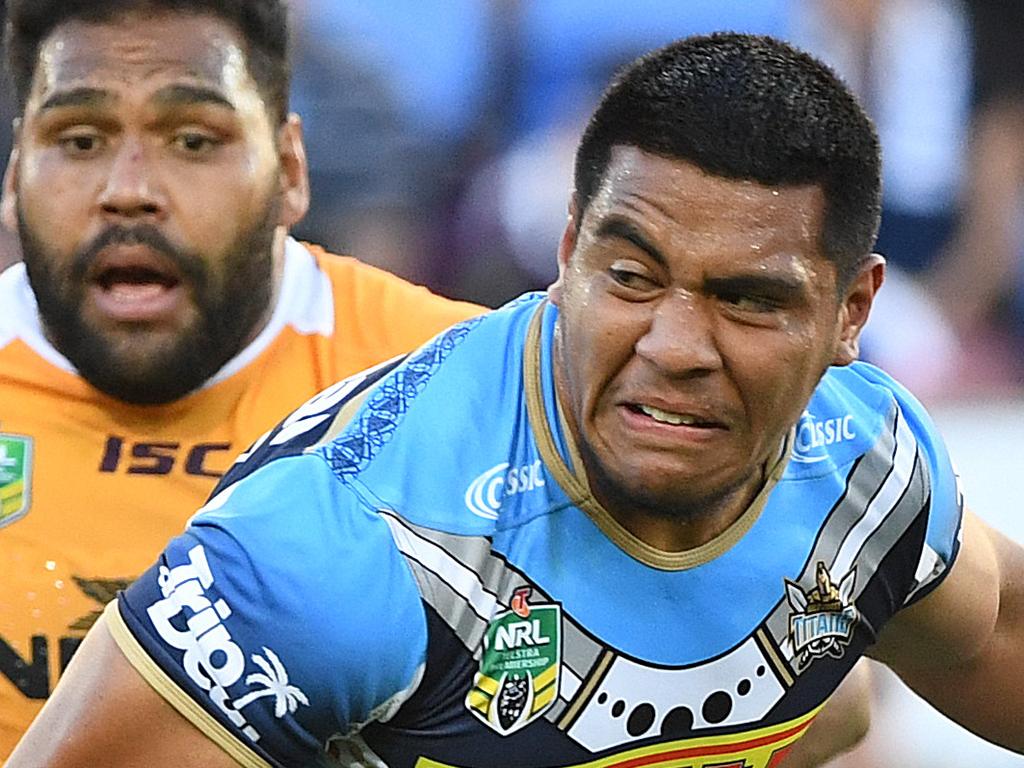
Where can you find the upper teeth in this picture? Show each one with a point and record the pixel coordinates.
(667, 417)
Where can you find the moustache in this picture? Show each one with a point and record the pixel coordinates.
(189, 265)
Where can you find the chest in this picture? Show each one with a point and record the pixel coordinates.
(530, 669)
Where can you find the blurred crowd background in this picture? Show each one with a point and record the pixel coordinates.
(441, 138)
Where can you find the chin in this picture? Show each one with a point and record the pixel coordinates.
(144, 367)
(148, 385)
(669, 490)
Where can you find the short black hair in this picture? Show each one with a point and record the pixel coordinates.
(746, 107)
(263, 25)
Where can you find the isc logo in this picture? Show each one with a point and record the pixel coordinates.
(141, 458)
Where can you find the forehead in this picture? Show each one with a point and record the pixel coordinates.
(672, 198)
(138, 52)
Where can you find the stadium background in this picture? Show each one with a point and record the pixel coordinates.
(441, 134)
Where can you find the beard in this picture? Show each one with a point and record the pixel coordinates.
(130, 365)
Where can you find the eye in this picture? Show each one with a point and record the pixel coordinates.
(632, 276)
(751, 303)
(196, 143)
(81, 143)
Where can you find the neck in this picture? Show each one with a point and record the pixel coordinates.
(689, 523)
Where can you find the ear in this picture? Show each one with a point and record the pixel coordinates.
(565, 248)
(291, 151)
(9, 198)
(856, 307)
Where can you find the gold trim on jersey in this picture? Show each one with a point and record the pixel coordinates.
(342, 419)
(778, 663)
(586, 690)
(573, 480)
(761, 748)
(172, 693)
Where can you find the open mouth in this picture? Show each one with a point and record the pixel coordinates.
(133, 265)
(673, 418)
(132, 283)
(135, 276)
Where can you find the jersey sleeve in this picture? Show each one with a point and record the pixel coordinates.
(282, 617)
(945, 506)
(380, 315)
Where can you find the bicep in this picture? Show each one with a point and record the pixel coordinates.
(104, 713)
(950, 625)
(840, 726)
(962, 648)
(281, 618)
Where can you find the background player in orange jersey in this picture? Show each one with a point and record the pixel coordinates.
(162, 318)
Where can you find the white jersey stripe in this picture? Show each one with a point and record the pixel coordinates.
(461, 579)
(884, 502)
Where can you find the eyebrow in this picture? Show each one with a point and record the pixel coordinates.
(77, 97)
(760, 284)
(171, 96)
(184, 95)
(624, 229)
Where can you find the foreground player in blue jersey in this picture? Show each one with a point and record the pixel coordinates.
(651, 518)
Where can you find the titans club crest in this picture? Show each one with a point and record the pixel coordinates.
(823, 617)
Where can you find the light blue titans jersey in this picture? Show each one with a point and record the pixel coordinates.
(411, 571)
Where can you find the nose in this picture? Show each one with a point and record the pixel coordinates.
(131, 189)
(681, 340)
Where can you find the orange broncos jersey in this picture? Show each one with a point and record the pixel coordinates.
(92, 488)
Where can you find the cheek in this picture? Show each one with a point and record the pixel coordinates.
(45, 185)
(59, 199)
(57, 215)
(218, 203)
(214, 218)
(605, 346)
(777, 375)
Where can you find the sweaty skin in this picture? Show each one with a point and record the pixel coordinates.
(697, 315)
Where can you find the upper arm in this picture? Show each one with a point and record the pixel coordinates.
(283, 617)
(85, 722)
(952, 623)
(287, 614)
(962, 646)
(840, 726)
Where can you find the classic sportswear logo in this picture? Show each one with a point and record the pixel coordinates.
(484, 495)
(212, 659)
(814, 435)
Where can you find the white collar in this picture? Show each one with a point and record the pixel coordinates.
(305, 302)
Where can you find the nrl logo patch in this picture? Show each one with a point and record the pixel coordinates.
(15, 477)
(823, 618)
(519, 668)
